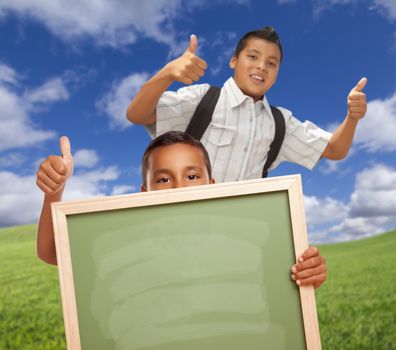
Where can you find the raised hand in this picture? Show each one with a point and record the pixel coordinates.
(55, 170)
(189, 67)
(357, 105)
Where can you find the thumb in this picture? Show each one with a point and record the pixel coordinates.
(360, 85)
(64, 144)
(66, 155)
(193, 44)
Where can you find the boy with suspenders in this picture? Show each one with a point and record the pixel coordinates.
(243, 134)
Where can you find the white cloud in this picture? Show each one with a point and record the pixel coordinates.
(320, 211)
(122, 189)
(375, 193)
(115, 102)
(16, 126)
(113, 23)
(85, 158)
(358, 228)
(376, 131)
(329, 167)
(90, 184)
(12, 160)
(51, 91)
(370, 210)
(224, 43)
(8, 75)
(387, 8)
(21, 199)
(19, 202)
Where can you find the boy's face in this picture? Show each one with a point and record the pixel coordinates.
(256, 68)
(176, 166)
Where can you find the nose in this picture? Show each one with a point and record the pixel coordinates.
(177, 183)
(261, 65)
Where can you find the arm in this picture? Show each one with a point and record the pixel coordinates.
(341, 140)
(311, 268)
(51, 179)
(186, 69)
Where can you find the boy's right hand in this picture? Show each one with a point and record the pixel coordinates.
(188, 68)
(55, 170)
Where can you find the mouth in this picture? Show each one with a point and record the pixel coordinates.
(257, 79)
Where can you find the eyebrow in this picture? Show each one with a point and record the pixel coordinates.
(168, 171)
(192, 167)
(258, 52)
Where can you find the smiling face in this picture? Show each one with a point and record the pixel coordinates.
(256, 67)
(176, 166)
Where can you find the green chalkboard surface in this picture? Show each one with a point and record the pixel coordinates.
(208, 274)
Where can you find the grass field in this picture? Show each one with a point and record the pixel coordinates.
(356, 306)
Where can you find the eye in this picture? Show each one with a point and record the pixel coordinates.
(272, 64)
(192, 177)
(253, 57)
(163, 180)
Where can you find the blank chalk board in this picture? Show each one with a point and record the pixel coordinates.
(198, 268)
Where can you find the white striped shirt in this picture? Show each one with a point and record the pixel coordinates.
(241, 131)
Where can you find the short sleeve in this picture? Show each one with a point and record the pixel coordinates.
(304, 142)
(176, 108)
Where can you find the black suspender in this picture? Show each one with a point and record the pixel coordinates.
(280, 129)
(203, 115)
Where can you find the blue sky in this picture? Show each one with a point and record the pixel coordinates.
(71, 67)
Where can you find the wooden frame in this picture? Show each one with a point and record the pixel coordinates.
(62, 210)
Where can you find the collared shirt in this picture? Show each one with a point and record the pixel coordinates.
(241, 131)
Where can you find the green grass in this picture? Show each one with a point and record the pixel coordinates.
(30, 306)
(356, 305)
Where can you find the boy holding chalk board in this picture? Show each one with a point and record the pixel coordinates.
(172, 160)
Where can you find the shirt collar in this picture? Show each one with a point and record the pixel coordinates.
(237, 97)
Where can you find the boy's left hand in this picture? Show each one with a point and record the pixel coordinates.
(311, 268)
(357, 104)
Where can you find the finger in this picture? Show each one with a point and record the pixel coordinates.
(358, 97)
(355, 110)
(46, 184)
(64, 144)
(201, 63)
(185, 80)
(193, 76)
(318, 270)
(199, 71)
(43, 187)
(315, 281)
(308, 264)
(53, 167)
(193, 44)
(309, 253)
(360, 85)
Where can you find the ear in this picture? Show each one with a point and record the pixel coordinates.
(143, 188)
(233, 61)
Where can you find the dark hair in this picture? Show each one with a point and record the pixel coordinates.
(266, 33)
(172, 138)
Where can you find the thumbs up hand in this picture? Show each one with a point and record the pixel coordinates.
(357, 105)
(55, 170)
(188, 68)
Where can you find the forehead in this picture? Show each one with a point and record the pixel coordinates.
(176, 155)
(262, 46)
